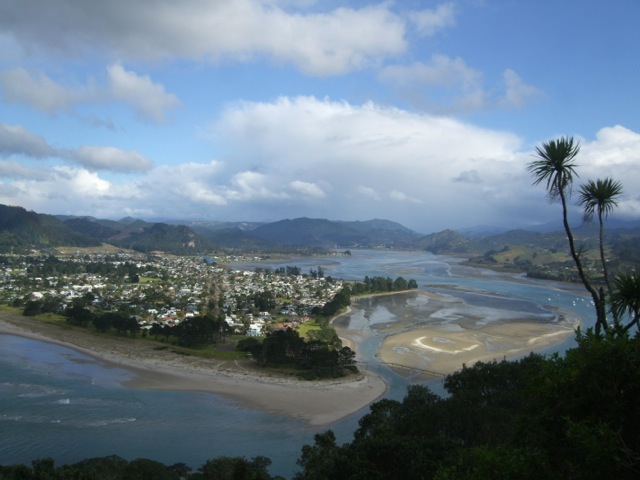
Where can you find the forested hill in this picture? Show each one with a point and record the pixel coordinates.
(326, 233)
(21, 229)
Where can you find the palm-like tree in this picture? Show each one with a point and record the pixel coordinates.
(600, 197)
(625, 299)
(556, 166)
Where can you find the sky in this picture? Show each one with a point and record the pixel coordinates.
(425, 113)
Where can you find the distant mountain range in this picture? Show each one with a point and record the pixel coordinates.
(22, 230)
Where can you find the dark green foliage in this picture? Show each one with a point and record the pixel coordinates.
(249, 345)
(382, 285)
(143, 469)
(446, 241)
(313, 358)
(177, 239)
(537, 418)
(32, 308)
(586, 406)
(21, 230)
(78, 315)
(341, 300)
(116, 468)
(264, 301)
(234, 468)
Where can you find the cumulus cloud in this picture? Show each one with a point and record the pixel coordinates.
(111, 158)
(317, 42)
(15, 170)
(149, 100)
(39, 91)
(307, 189)
(320, 158)
(368, 192)
(615, 153)
(249, 186)
(17, 140)
(412, 156)
(63, 187)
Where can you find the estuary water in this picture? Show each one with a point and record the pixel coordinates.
(56, 402)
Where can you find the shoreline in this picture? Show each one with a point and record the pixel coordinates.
(435, 350)
(317, 403)
(421, 353)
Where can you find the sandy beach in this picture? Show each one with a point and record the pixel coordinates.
(455, 335)
(318, 403)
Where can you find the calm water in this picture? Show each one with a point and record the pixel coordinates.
(59, 403)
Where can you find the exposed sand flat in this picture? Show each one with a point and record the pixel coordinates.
(441, 333)
(440, 351)
(319, 403)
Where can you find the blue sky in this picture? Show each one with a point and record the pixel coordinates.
(425, 113)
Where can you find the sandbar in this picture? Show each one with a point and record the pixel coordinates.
(460, 335)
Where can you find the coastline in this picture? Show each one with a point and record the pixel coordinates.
(421, 353)
(317, 403)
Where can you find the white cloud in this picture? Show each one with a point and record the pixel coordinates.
(17, 140)
(402, 197)
(15, 170)
(429, 22)
(86, 184)
(65, 190)
(517, 92)
(250, 186)
(414, 157)
(318, 43)
(111, 158)
(148, 99)
(39, 92)
(368, 192)
(615, 153)
(177, 190)
(307, 189)
(318, 158)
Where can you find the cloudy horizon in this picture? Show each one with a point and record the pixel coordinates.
(423, 113)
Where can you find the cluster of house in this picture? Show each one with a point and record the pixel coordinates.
(170, 289)
(300, 293)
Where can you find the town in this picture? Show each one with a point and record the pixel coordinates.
(162, 291)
